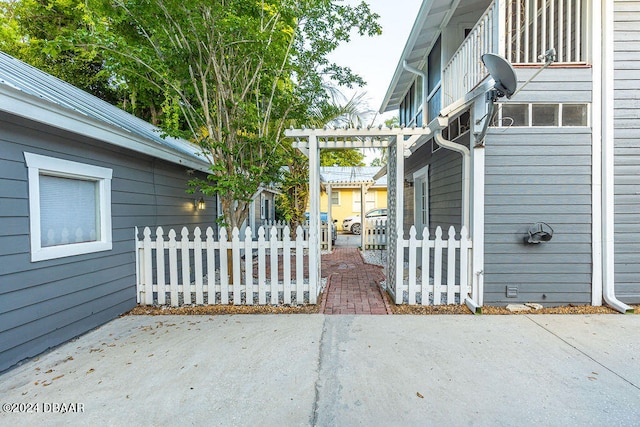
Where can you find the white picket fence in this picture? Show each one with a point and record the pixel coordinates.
(375, 234)
(424, 284)
(197, 270)
(280, 225)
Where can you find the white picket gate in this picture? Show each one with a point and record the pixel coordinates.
(375, 234)
(423, 284)
(280, 225)
(183, 269)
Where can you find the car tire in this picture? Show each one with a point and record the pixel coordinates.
(355, 228)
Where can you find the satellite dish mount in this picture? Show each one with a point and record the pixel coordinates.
(506, 81)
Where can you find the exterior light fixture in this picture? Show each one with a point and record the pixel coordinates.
(200, 204)
(539, 232)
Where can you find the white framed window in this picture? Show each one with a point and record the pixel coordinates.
(421, 199)
(335, 198)
(69, 207)
(369, 200)
(542, 115)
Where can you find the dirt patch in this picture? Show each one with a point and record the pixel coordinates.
(223, 309)
(429, 309)
(491, 310)
(395, 309)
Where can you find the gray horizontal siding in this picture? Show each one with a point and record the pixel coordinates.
(627, 149)
(445, 185)
(445, 193)
(554, 85)
(45, 303)
(532, 175)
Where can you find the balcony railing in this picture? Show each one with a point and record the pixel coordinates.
(465, 69)
(522, 31)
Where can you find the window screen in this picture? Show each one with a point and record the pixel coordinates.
(68, 211)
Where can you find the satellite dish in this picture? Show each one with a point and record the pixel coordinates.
(503, 74)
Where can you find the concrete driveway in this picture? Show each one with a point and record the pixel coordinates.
(291, 370)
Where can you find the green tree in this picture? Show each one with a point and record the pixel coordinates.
(341, 157)
(38, 32)
(382, 160)
(238, 72)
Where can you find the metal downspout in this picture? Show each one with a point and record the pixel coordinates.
(466, 173)
(607, 152)
(466, 193)
(425, 89)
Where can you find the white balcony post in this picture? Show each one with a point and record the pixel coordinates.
(500, 26)
(477, 225)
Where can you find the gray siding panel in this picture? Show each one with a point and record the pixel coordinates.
(45, 303)
(532, 175)
(627, 149)
(445, 186)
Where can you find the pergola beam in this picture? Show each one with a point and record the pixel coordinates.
(375, 133)
(333, 144)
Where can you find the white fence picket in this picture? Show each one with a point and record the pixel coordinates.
(173, 267)
(286, 259)
(160, 266)
(451, 266)
(197, 259)
(221, 262)
(433, 265)
(148, 268)
(186, 277)
(273, 255)
(224, 273)
(262, 269)
(248, 267)
(413, 244)
(437, 267)
(426, 247)
(211, 268)
(299, 265)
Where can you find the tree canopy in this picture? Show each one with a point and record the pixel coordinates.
(230, 75)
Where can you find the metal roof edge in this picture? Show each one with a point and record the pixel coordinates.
(40, 110)
(423, 12)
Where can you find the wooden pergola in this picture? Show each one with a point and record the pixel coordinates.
(397, 140)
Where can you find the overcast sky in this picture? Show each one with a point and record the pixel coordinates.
(376, 58)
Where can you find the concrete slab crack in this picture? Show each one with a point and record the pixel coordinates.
(584, 353)
(321, 349)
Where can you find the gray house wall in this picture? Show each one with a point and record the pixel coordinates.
(444, 189)
(627, 149)
(445, 186)
(540, 174)
(45, 303)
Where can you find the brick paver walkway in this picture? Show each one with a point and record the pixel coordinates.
(353, 286)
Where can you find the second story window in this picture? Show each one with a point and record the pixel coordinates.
(434, 80)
